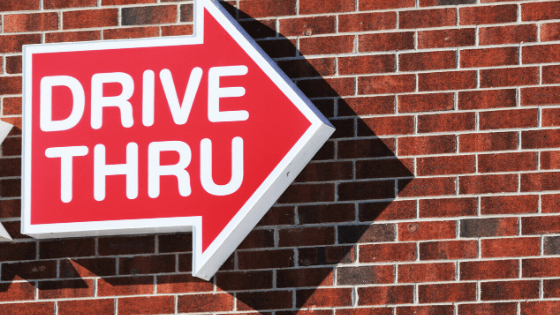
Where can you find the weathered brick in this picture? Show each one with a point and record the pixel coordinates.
(30, 22)
(447, 207)
(446, 38)
(510, 247)
(509, 34)
(484, 184)
(387, 125)
(307, 26)
(425, 102)
(327, 45)
(386, 41)
(19, 5)
(478, 142)
(366, 64)
(487, 99)
(402, 294)
(446, 122)
(90, 18)
(267, 8)
(328, 6)
(381, 211)
(509, 77)
(14, 43)
(490, 57)
(219, 302)
(366, 5)
(65, 289)
(61, 4)
(540, 11)
(386, 84)
(546, 95)
(387, 252)
(366, 190)
(471, 228)
(365, 275)
(540, 225)
(441, 250)
(550, 203)
(539, 307)
(427, 18)
(367, 22)
(387, 168)
(331, 297)
(489, 269)
(426, 145)
(449, 292)
(133, 32)
(509, 290)
(369, 105)
(266, 259)
(451, 80)
(366, 233)
(415, 231)
(488, 14)
(431, 272)
(507, 162)
(509, 204)
(125, 286)
(445, 165)
(427, 61)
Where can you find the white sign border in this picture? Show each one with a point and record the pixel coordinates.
(205, 264)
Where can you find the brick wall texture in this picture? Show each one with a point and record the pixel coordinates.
(439, 193)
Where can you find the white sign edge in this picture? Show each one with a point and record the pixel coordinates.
(204, 264)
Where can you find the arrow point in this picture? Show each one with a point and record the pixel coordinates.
(5, 129)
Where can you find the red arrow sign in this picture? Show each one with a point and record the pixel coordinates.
(198, 133)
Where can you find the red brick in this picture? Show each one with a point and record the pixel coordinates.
(308, 67)
(445, 165)
(176, 30)
(540, 139)
(376, 105)
(125, 2)
(181, 283)
(402, 294)
(325, 6)
(345, 128)
(540, 181)
(540, 225)
(541, 54)
(484, 184)
(446, 38)
(146, 264)
(307, 26)
(135, 32)
(14, 43)
(11, 106)
(416, 231)
(19, 5)
(325, 171)
(426, 310)
(487, 99)
(72, 36)
(509, 204)
(268, 8)
(147, 305)
(551, 74)
(426, 272)
(381, 211)
(550, 288)
(86, 307)
(66, 289)
(41, 308)
(266, 259)
(61, 4)
(205, 303)
(308, 277)
(170, 243)
(366, 64)
(427, 18)
(327, 45)
(425, 102)
(125, 286)
(447, 207)
(149, 15)
(449, 292)
(427, 187)
(30, 22)
(10, 187)
(387, 252)
(388, 125)
(17, 251)
(541, 267)
(258, 239)
(29, 270)
(326, 213)
(426, 145)
(550, 203)
(324, 297)
(308, 193)
(278, 216)
(510, 34)
(550, 160)
(17, 291)
(510, 247)
(523, 118)
(488, 14)
(366, 233)
(311, 256)
(477, 142)
(327, 87)
(90, 18)
(185, 263)
(507, 162)
(446, 122)
(66, 248)
(540, 11)
(125, 245)
(10, 85)
(306, 236)
(539, 307)
(509, 77)
(13, 64)
(509, 290)
(366, 5)
(255, 28)
(264, 300)
(448, 250)
(550, 32)
(488, 308)
(427, 61)
(387, 84)
(386, 168)
(453, 80)
(490, 57)
(367, 22)
(490, 269)
(366, 190)
(432, 3)
(93, 267)
(386, 41)
(546, 95)
(10, 167)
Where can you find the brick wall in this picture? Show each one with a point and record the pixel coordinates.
(438, 193)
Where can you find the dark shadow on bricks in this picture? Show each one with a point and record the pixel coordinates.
(377, 167)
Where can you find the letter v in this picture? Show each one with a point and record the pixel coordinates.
(180, 112)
